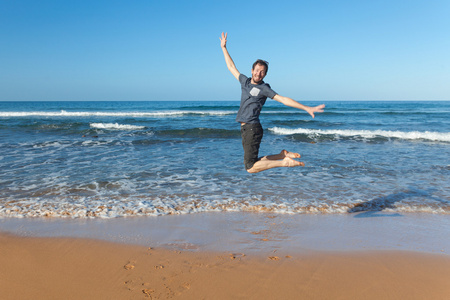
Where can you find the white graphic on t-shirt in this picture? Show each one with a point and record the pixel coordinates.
(255, 92)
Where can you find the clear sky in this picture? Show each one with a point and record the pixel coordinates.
(170, 50)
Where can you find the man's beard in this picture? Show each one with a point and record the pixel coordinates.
(255, 80)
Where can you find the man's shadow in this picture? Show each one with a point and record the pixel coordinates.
(374, 207)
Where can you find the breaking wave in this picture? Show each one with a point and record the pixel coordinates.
(64, 113)
(170, 205)
(411, 135)
(115, 126)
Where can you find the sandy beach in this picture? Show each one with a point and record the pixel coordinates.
(244, 261)
(49, 268)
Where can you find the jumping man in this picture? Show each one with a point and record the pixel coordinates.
(254, 94)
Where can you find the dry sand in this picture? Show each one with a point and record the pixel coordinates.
(70, 268)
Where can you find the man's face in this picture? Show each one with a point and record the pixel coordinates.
(258, 74)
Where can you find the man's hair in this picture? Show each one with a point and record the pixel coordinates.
(261, 62)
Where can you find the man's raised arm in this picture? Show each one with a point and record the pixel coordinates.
(228, 60)
(292, 103)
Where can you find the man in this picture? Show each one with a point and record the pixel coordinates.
(254, 94)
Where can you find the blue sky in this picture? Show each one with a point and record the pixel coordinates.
(170, 50)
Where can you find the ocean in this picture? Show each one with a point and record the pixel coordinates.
(119, 159)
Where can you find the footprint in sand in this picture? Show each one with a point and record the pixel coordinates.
(148, 292)
(236, 255)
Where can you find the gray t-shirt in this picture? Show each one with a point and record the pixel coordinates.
(252, 99)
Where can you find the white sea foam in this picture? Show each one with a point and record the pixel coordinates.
(115, 126)
(64, 113)
(86, 208)
(409, 135)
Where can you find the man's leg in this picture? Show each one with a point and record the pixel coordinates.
(251, 139)
(267, 163)
(281, 155)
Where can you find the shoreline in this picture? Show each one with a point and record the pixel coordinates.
(254, 232)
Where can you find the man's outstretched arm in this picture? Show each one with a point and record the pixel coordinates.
(228, 60)
(292, 103)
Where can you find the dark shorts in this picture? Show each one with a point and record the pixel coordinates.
(251, 139)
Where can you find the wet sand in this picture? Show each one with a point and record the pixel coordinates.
(232, 256)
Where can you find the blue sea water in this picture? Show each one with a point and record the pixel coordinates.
(115, 159)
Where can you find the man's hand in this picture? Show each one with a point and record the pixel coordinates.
(223, 40)
(292, 103)
(228, 60)
(315, 109)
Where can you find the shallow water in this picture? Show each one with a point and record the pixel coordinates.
(112, 159)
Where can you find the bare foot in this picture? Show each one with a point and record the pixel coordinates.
(289, 162)
(290, 154)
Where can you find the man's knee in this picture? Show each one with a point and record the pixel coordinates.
(248, 165)
(252, 171)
